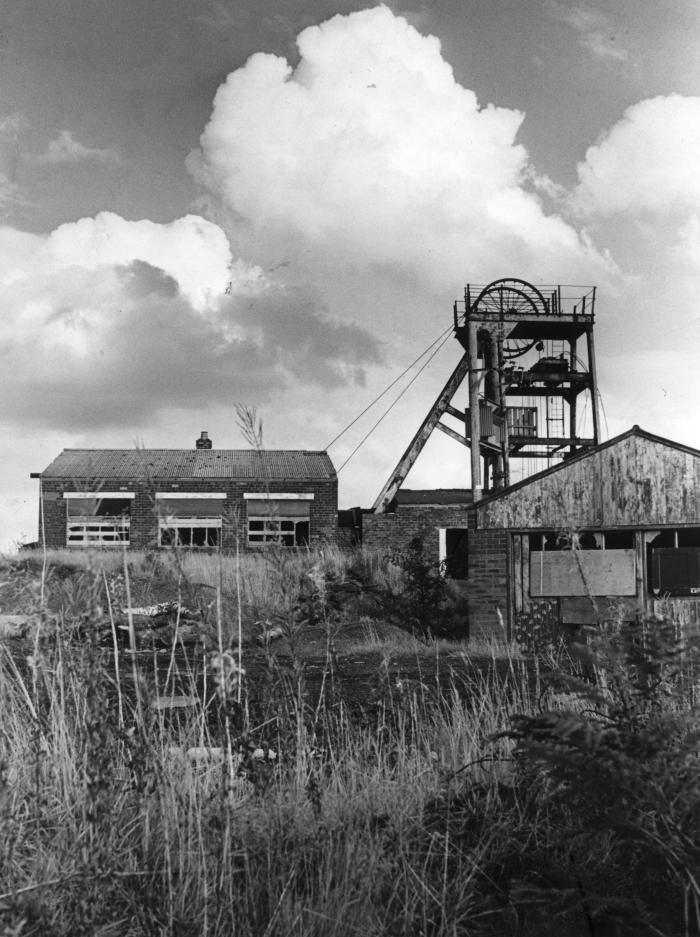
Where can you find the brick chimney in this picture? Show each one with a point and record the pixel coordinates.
(203, 442)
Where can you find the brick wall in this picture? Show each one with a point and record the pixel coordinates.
(52, 513)
(488, 582)
(323, 510)
(388, 532)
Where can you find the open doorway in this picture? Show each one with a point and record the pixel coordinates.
(453, 552)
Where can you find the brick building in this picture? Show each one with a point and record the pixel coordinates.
(438, 521)
(196, 498)
(435, 519)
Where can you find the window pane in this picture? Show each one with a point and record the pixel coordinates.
(190, 535)
(689, 537)
(277, 508)
(619, 539)
(105, 533)
(190, 507)
(287, 531)
(302, 533)
(98, 507)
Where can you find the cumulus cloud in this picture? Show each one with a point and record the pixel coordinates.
(193, 251)
(648, 161)
(107, 321)
(66, 149)
(638, 186)
(369, 154)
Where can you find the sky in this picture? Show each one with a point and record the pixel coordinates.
(220, 203)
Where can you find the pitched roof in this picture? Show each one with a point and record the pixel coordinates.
(584, 454)
(190, 463)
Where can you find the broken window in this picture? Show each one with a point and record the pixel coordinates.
(190, 520)
(284, 521)
(552, 540)
(582, 563)
(98, 519)
(175, 533)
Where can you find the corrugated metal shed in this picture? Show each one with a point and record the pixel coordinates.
(190, 463)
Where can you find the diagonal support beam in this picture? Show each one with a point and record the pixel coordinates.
(405, 463)
(453, 434)
(466, 441)
(457, 414)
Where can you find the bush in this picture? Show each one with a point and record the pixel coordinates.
(422, 605)
(615, 776)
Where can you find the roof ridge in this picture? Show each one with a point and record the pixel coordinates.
(189, 449)
(191, 463)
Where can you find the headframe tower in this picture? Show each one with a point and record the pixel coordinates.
(529, 360)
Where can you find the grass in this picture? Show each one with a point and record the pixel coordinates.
(443, 811)
(374, 638)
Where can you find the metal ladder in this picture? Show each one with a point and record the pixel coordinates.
(555, 405)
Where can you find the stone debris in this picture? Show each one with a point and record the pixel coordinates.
(161, 625)
(270, 633)
(175, 702)
(203, 757)
(161, 608)
(15, 626)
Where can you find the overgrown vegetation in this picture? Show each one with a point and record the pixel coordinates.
(519, 801)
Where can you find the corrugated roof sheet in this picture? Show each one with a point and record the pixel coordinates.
(190, 463)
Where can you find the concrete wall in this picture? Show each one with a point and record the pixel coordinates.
(144, 521)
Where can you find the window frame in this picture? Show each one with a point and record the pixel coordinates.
(172, 527)
(278, 528)
(556, 541)
(103, 530)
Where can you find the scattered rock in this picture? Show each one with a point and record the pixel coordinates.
(161, 625)
(155, 611)
(175, 702)
(14, 626)
(270, 633)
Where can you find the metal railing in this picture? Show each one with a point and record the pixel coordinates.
(516, 298)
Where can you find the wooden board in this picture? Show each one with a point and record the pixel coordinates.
(637, 482)
(582, 572)
(517, 577)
